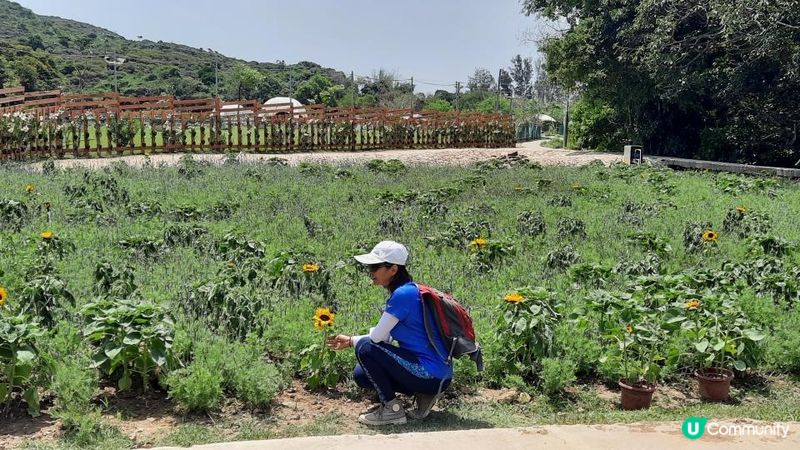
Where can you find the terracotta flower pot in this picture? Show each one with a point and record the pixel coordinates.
(636, 395)
(715, 383)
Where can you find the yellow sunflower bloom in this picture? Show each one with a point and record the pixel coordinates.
(628, 329)
(29, 188)
(514, 298)
(710, 236)
(310, 267)
(3, 296)
(323, 318)
(47, 235)
(693, 304)
(479, 242)
(741, 209)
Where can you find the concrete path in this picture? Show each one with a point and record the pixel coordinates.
(649, 436)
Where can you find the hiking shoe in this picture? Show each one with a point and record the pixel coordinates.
(391, 412)
(423, 403)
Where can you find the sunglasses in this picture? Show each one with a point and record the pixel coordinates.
(374, 267)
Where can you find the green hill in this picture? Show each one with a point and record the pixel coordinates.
(43, 52)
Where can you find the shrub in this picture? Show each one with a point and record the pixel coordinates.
(556, 374)
(195, 388)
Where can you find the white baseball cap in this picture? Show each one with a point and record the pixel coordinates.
(385, 252)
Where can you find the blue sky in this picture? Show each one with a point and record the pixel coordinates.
(439, 41)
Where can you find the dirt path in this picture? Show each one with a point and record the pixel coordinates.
(461, 156)
(632, 436)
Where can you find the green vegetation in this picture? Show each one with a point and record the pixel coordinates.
(708, 80)
(573, 279)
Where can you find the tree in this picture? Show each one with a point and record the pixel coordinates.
(207, 74)
(3, 72)
(506, 82)
(521, 72)
(438, 104)
(449, 97)
(707, 79)
(481, 80)
(34, 42)
(381, 82)
(331, 95)
(243, 80)
(309, 91)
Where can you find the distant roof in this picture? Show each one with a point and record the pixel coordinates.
(545, 118)
(284, 100)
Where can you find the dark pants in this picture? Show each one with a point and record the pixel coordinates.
(389, 369)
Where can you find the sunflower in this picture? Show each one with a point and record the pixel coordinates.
(628, 329)
(29, 188)
(710, 236)
(514, 298)
(47, 235)
(741, 209)
(3, 296)
(479, 242)
(323, 318)
(693, 304)
(310, 267)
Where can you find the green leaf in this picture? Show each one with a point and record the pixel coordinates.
(133, 338)
(31, 397)
(98, 359)
(739, 365)
(125, 382)
(25, 356)
(112, 352)
(158, 353)
(753, 335)
(4, 390)
(718, 345)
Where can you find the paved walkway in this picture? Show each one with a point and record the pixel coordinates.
(647, 436)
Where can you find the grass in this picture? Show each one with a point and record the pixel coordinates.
(269, 204)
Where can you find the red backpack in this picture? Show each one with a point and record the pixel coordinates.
(441, 311)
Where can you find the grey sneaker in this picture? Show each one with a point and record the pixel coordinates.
(388, 413)
(423, 403)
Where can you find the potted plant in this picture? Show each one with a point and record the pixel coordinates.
(722, 338)
(639, 349)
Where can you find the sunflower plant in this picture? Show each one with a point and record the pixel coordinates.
(526, 327)
(317, 359)
(18, 356)
(638, 349)
(486, 254)
(719, 334)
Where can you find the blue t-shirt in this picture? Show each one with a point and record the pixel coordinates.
(406, 304)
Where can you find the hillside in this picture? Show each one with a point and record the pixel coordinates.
(43, 52)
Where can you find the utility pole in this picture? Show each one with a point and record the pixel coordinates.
(355, 88)
(566, 121)
(497, 102)
(216, 74)
(116, 84)
(458, 90)
(291, 82)
(413, 102)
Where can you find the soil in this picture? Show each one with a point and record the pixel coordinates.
(534, 151)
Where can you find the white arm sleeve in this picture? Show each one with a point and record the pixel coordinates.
(380, 332)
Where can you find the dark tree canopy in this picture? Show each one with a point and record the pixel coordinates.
(710, 79)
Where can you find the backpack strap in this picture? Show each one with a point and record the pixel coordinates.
(426, 319)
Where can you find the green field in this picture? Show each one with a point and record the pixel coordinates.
(190, 280)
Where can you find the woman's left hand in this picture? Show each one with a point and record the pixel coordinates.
(338, 342)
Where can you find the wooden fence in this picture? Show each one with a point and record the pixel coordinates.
(55, 124)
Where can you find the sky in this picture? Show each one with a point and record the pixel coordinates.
(434, 41)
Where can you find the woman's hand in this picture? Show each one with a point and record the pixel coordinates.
(338, 342)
